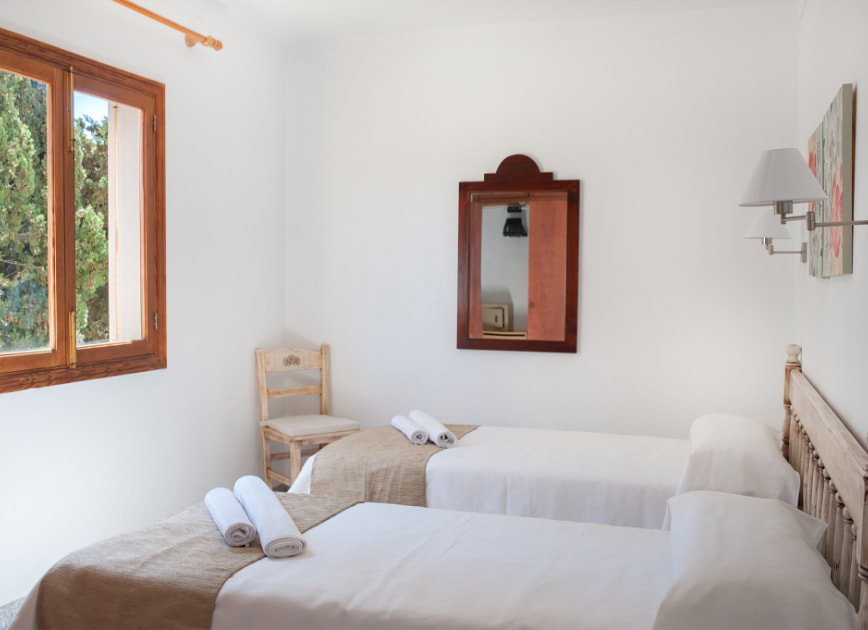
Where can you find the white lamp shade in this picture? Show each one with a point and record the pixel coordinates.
(766, 224)
(782, 175)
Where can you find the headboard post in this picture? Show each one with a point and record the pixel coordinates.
(862, 558)
(862, 619)
(793, 363)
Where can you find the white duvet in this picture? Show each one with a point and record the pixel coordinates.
(384, 566)
(565, 475)
(729, 562)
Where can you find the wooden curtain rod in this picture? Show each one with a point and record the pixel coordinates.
(191, 38)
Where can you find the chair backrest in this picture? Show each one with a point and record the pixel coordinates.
(290, 360)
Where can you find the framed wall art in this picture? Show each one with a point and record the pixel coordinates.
(830, 156)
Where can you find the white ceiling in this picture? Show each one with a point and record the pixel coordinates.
(304, 21)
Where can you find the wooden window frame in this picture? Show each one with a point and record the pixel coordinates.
(63, 361)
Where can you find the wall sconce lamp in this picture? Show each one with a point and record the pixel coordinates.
(782, 178)
(766, 227)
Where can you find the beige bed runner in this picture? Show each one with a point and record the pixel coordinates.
(165, 575)
(379, 465)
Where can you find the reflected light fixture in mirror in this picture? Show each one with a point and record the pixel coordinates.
(514, 225)
(549, 261)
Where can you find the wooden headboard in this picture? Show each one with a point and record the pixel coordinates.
(833, 467)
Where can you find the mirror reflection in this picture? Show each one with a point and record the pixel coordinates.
(504, 271)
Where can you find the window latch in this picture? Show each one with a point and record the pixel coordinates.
(71, 335)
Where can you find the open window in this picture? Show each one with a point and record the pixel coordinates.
(82, 218)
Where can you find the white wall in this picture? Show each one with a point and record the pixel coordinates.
(831, 315)
(660, 117)
(83, 461)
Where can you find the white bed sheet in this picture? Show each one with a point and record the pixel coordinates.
(384, 566)
(565, 475)
(730, 561)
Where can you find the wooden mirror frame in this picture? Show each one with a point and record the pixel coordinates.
(517, 178)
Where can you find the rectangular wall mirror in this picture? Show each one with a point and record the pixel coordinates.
(518, 245)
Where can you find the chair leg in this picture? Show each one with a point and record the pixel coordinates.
(266, 457)
(294, 460)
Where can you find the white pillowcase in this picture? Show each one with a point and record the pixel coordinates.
(743, 562)
(739, 455)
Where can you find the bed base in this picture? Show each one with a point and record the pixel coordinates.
(833, 468)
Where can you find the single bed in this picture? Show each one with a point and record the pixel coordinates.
(621, 479)
(564, 475)
(729, 561)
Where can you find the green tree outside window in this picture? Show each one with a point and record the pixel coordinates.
(24, 219)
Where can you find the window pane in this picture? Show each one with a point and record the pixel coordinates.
(24, 313)
(108, 176)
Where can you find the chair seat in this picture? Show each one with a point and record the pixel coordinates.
(301, 426)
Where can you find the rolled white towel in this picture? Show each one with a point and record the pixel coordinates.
(437, 432)
(230, 517)
(410, 428)
(278, 533)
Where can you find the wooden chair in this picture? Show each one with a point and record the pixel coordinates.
(296, 431)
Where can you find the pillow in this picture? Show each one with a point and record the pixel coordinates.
(739, 455)
(744, 562)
